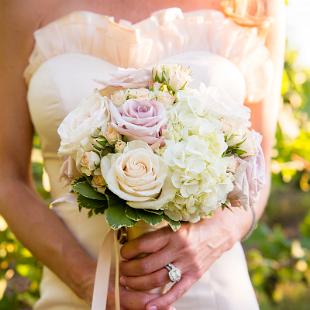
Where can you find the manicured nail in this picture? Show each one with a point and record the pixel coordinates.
(152, 308)
(122, 281)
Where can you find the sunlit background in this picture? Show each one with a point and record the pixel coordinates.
(298, 29)
(279, 251)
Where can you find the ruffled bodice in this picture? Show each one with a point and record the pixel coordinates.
(165, 33)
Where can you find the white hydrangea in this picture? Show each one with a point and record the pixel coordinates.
(195, 144)
(189, 117)
(200, 175)
(211, 101)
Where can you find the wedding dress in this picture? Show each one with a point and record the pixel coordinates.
(73, 53)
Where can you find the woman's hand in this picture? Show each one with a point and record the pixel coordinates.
(130, 300)
(192, 249)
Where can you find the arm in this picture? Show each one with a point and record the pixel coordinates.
(265, 115)
(49, 240)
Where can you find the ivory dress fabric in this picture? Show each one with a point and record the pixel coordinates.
(73, 53)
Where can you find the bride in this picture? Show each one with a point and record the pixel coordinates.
(52, 54)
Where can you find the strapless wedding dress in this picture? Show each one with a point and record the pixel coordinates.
(73, 53)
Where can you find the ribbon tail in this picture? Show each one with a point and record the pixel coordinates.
(102, 273)
(117, 259)
(70, 198)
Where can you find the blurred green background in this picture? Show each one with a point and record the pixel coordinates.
(278, 252)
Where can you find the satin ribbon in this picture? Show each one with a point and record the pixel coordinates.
(103, 272)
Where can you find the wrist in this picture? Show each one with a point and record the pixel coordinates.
(237, 220)
(82, 277)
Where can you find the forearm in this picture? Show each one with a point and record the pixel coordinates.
(45, 235)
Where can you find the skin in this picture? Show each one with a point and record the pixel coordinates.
(201, 243)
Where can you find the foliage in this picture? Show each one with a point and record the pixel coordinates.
(117, 213)
(278, 252)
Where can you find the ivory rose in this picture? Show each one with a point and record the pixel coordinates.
(112, 135)
(81, 123)
(119, 146)
(88, 162)
(98, 183)
(137, 176)
(139, 120)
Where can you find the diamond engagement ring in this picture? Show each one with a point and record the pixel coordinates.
(174, 273)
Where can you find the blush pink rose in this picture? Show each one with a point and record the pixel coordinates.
(140, 119)
(250, 178)
(129, 78)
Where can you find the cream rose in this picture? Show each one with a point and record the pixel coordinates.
(120, 146)
(87, 162)
(137, 176)
(81, 123)
(98, 183)
(112, 135)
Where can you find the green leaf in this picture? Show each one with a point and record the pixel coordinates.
(116, 216)
(86, 190)
(115, 213)
(175, 225)
(132, 214)
(79, 180)
(159, 212)
(240, 152)
(91, 203)
(97, 148)
(142, 215)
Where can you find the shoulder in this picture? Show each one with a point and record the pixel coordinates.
(27, 15)
(18, 21)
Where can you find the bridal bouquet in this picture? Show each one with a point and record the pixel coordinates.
(148, 147)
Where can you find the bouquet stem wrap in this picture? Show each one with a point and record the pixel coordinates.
(104, 264)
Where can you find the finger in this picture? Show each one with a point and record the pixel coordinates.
(148, 282)
(135, 300)
(148, 243)
(172, 295)
(148, 264)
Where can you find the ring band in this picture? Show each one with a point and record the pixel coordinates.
(174, 273)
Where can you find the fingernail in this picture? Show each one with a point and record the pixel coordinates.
(122, 281)
(152, 308)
